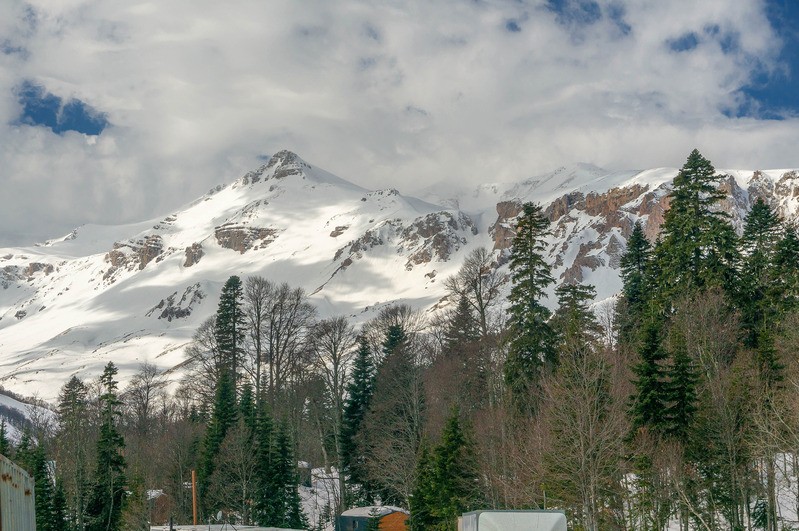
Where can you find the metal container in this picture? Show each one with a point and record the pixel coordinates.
(17, 506)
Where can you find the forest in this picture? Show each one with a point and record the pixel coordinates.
(675, 405)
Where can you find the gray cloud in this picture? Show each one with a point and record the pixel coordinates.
(385, 94)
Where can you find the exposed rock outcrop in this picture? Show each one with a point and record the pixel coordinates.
(170, 309)
(242, 238)
(193, 254)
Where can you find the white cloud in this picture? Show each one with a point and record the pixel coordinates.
(382, 93)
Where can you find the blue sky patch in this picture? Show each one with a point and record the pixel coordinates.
(575, 12)
(775, 94)
(513, 26)
(41, 108)
(684, 43)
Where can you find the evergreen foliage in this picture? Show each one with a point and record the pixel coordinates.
(532, 340)
(697, 249)
(104, 508)
(635, 268)
(680, 391)
(223, 417)
(5, 444)
(650, 395)
(462, 328)
(230, 327)
(359, 396)
(574, 322)
(424, 498)
(284, 509)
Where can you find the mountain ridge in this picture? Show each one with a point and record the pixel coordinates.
(137, 292)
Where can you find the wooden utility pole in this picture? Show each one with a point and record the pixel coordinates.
(194, 495)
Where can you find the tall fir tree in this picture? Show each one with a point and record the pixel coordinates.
(650, 393)
(680, 392)
(574, 323)
(461, 327)
(697, 248)
(532, 340)
(104, 509)
(759, 293)
(230, 327)
(456, 472)
(786, 262)
(425, 494)
(286, 508)
(73, 411)
(44, 490)
(359, 395)
(635, 266)
(264, 442)
(223, 417)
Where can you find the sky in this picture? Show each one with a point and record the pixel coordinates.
(116, 111)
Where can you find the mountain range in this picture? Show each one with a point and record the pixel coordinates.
(137, 292)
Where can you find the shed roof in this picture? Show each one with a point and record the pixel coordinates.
(374, 510)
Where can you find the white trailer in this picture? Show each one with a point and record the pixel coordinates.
(513, 521)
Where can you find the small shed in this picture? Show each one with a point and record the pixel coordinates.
(358, 519)
(513, 521)
(17, 498)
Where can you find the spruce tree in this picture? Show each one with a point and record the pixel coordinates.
(104, 510)
(532, 340)
(359, 396)
(223, 417)
(230, 327)
(425, 494)
(698, 245)
(636, 276)
(264, 442)
(456, 473)
(44, 490)
(786, 262)
(286, 506)
(650, 395)
(759, 293)
(247, 407)
(574, 322)
(461, 328)
(680, 391)
(73, 404)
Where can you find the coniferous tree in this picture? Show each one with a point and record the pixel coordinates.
(286, 509)
(532, 340)
(230, 327)
(697, 249)
(359, 396)
(72, 453)
(104, 510)
(787, 272)
(759, 288)
(574, 322)
(425, 494)
(44, 489)
(456, 472)
(680, 391)
(264, 442)
(650, 396)
(223, 416)
(636, 275)
(461, 328)
(247, 407)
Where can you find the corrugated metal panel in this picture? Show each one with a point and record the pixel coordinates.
(17, 506)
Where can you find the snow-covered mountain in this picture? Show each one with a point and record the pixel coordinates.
(137, 292)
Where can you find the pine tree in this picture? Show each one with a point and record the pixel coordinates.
(532, 340)
(635, 273)
(425, 494)
(456, 472)
(73, 413)
(247, 407)
(59, 509)
(395, 339)
(230, 327)
(698, 245)
(650, 395)
(759, 295)
(680, 391)
(104, 510)
(286, 506)
(359, 396)
(44, 489)
(223, 416)
(264, 442)
(461, 328)
(574, 322)
(787, 269)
